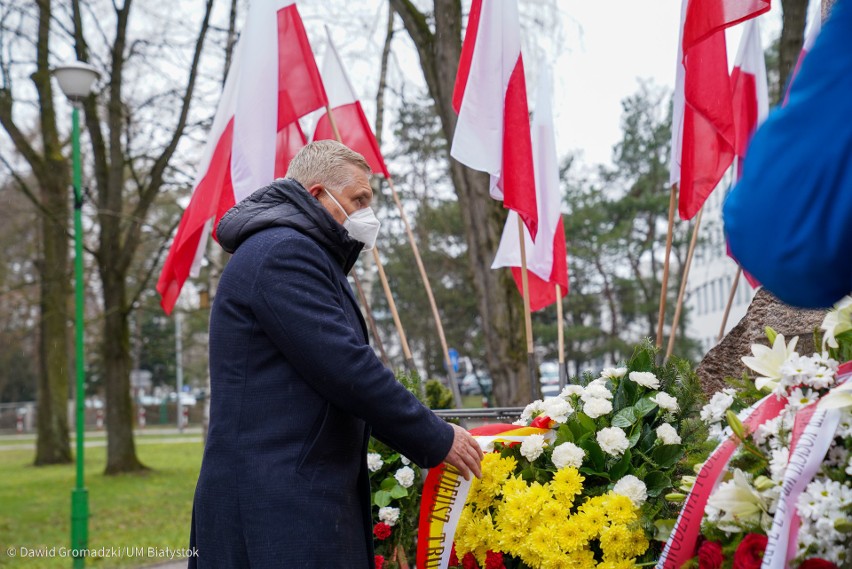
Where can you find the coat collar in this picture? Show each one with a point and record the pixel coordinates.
(286, 203)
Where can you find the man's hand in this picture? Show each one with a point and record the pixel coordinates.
(465, 453)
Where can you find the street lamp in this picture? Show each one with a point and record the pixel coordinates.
(76, 80)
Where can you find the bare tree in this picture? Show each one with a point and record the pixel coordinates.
(792, 37)
(126, 183)
(51, 197)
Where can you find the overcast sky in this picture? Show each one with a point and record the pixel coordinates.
(605, 47)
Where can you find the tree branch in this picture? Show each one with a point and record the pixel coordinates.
(147, 196)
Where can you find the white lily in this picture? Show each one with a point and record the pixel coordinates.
(837, 321)
(838, 398)
(768, 361)
(737, 501)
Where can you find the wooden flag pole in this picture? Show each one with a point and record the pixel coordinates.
(683, 281)
(409, 361)
(371, 322)
(451, 376)
(560, 335)
(534, 392)
(664, 285)
(730, 303)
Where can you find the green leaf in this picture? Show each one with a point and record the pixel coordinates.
(621, 467)
(594, 454)
(398, 492)
(663, 529)
(388, 483)
(657, 482)
(643, 407)
(634, 437)
(586, 422)
(642, 359)
(648, 438)
(381, 498)
(563, 435)
(624, 418)
(593, 472)
(667, 455)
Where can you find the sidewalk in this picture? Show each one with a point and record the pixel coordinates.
(98, 438)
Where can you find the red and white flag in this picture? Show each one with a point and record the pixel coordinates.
(490, 96)
(750, 98)
(546, 258)
(355, 130)
(272, 82)
(703, 132)
(750, 88)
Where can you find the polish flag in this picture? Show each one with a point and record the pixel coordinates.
(703, 131)
(355, 130)
(811, 32)
(273, 74)
(490, 96)
(547, 260)
(750, 98)
(750, 88)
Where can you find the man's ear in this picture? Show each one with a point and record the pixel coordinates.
(316, 190)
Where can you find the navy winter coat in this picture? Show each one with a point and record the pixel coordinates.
(295, 390)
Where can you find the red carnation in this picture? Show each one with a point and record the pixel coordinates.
(454, 559)
(817, 563)
(469, 561)
(494, 560)
(382, 531)
(380, 561)
(749, 553)
(710, 555)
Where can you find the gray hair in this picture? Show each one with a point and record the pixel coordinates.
(324, 162)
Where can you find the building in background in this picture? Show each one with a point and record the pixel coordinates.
(711, 278)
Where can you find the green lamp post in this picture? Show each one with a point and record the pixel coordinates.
(76, 80)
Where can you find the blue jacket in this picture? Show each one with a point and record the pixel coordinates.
(295, 390)
(789, 220)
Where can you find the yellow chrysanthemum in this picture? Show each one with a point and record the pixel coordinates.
(620, 509)
(512, 513)
(574, 534)
(619, 564)
(551, 514)
(513, 486)
(593, 517)
(582, 559)
(616, 542)
(567, 483)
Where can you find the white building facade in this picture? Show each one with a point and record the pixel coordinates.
(711, 278)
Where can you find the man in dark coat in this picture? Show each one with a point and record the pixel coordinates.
(295, 386)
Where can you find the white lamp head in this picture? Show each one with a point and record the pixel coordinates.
(76, 79)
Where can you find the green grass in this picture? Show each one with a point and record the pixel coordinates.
(152, 509)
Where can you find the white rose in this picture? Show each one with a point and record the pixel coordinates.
(666, 401)
(668, 435)
(645, 379)
(374, 461)
(613, 372)
(595, 407)
(405, 476)
(530, 411)
(532, 447)
(570, 390)
(596, 391)
(633, 488)
(568, 454)
(404, 460)
(557, 409)
(613, 441)
(389, 515)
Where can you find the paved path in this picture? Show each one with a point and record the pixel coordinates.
(98, 438)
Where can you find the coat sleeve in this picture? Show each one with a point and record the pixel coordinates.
(788, 220)
(299, 307)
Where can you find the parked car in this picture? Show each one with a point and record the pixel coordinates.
(549, 379)
(473, 384)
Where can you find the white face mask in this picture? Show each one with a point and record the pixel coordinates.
(362, 225)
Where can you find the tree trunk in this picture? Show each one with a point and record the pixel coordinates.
(115, 348)
(51, 172)
(500, 306)
(792, 38)
(52, 443)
